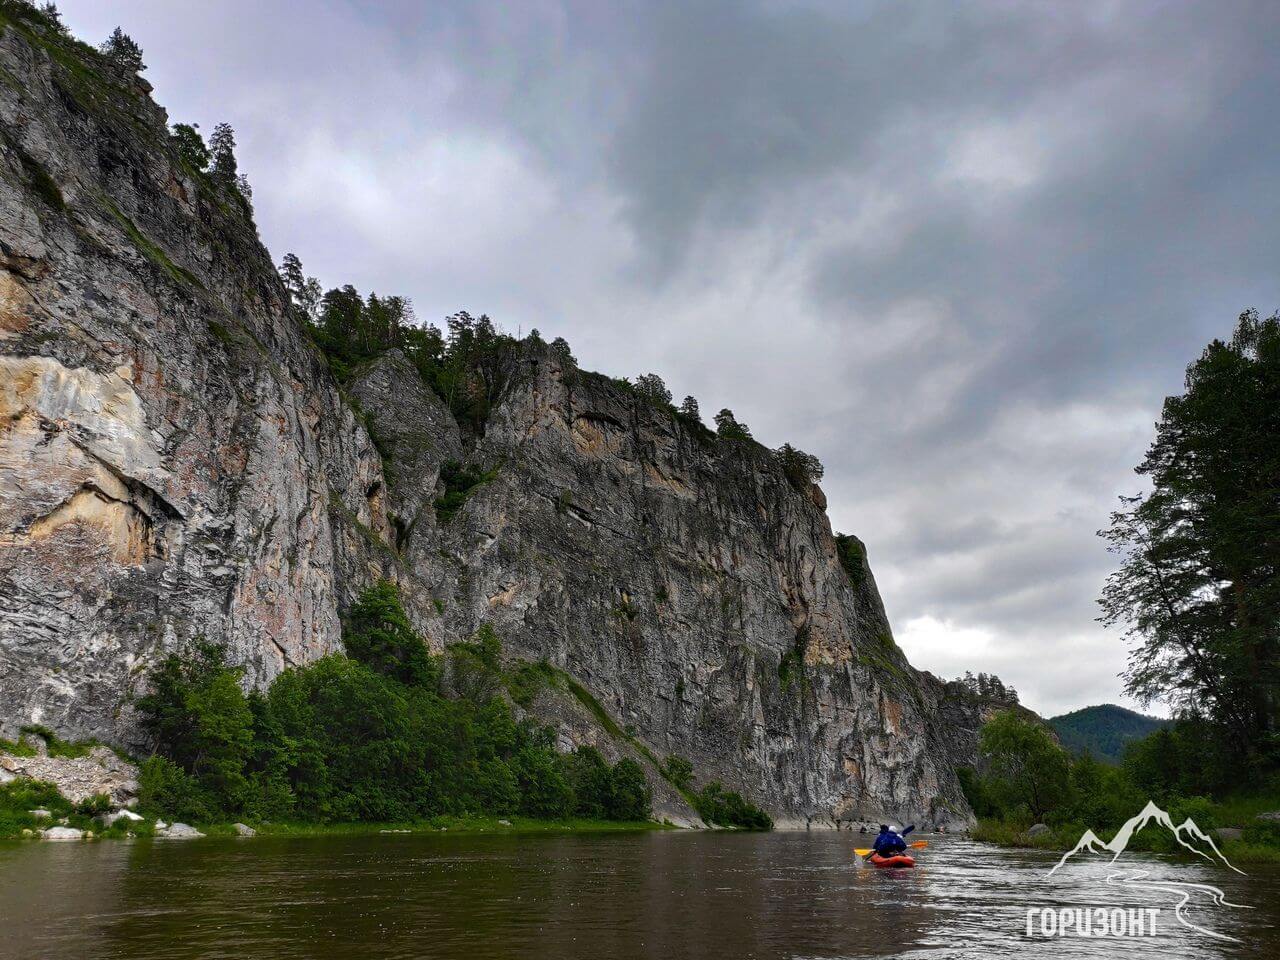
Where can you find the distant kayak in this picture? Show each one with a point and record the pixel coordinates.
(898, 860)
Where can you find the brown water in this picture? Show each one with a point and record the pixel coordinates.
(659, 895)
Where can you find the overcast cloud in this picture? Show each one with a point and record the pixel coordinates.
(959, 251)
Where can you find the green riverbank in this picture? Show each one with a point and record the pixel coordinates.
(1258, 842)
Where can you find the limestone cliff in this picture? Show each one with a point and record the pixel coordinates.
(176, 461)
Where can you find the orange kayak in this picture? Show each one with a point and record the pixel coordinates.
(898, 860)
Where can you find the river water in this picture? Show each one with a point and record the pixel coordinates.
(560, 897)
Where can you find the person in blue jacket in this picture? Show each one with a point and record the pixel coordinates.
(890, 843)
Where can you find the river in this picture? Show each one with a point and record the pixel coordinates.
(560, 897)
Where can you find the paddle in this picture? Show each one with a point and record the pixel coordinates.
(865, 852)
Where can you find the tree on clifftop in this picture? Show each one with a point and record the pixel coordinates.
(122, 51)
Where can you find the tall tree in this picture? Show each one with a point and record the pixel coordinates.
(1027, 766)
(190, 145)
(222, 148)
(304, 291)
(1198, 586)
(120, 49)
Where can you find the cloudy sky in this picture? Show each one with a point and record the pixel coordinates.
(959, 251)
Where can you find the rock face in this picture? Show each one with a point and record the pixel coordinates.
(177, 462)
(78, 778)
(959, 711)
(174, 462)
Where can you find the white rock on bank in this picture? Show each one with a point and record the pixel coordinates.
(1037, 830)
(244, 830)
(62, 833)
(1228, 833)
(40, 813)
(107, 819)
(178, 831)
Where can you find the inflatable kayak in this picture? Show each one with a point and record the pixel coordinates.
(898, 860)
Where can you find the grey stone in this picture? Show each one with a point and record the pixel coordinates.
(1269, 816)
(1228, 833)
(107, 819)
(177, 831)
(62, 833)
(244, 830)
(1038, 829)
(40, 813)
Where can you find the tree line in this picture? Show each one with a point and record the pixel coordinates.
(1197, 593)
(471, 362)
(386, 732)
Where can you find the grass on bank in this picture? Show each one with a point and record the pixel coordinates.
(19, 797)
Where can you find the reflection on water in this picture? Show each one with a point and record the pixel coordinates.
(658, 895)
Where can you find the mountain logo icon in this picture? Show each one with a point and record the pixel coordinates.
(1185, 833)
(1189, 835)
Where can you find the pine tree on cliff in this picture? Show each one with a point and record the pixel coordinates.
(122, 51)
(222, 148)
(190, 145)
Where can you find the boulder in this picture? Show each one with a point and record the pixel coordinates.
(1228, 833)
(107, 819)
(1271, 816)
(40, 813)
(178, 831)
(244, 830)
(1038, 830)
(62, 833)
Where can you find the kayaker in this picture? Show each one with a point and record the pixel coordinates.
(890, 843)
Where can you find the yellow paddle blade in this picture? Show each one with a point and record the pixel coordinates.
(867, 851)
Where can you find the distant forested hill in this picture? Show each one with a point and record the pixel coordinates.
(1103, 730)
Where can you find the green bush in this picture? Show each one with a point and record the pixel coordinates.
(378, 634)
(679, 771)
(629, 794)
(727, 808)
(370, 737)
(92, 806)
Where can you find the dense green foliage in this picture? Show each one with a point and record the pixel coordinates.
(387, 733)
(1103, 731)
(1198, 587)
(727, 808)
(1032, 779)
(1028, 769)
(123, 51)
(853, 557)
(801, 469)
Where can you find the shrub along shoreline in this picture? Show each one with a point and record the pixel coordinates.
(1031, 780)
(384, 737)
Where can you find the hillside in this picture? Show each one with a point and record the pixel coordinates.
(179, 461)
(1103, 731)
